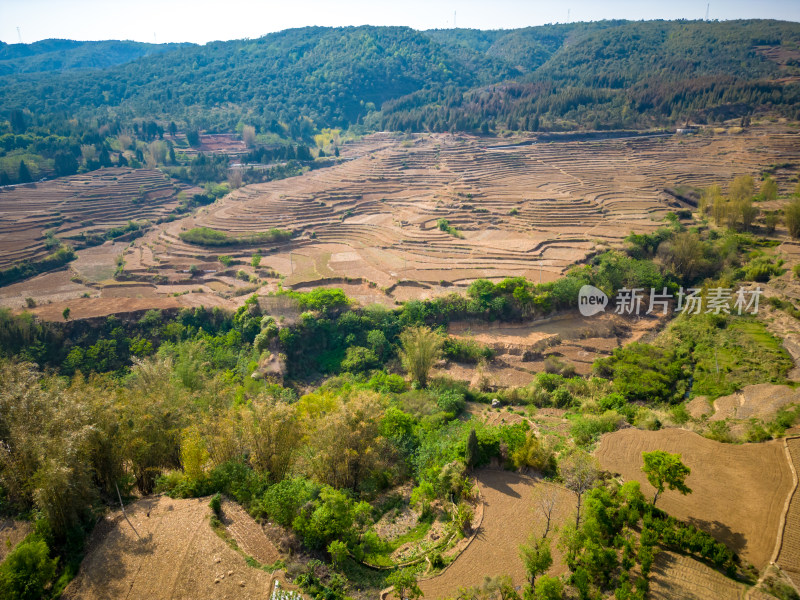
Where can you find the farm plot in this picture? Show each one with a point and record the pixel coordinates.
(178, 556)
(521, 349)
(677, 576)
(789, 556)
(739, 491)
(509, 518)
(522, 211)
(70, 207)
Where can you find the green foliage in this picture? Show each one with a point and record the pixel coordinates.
(444, 225)
(205, 236)
(644, 373)
(536, 557)
(665, 470)
(421, 349)
(216, 504)
(466, 350)
(549, 588)
(586, 429)
(405, 584)
(27, 570)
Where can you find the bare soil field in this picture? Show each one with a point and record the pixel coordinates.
(509, 518)
(522, 210)
(178, 556)
(762, 400)
(370, 222)
(12, 533)
(91, 203)
(789, 555)
(738, 491)
(521, 349)
(676, 576)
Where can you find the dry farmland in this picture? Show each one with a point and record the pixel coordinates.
(738, 491)
(510, 516)
(88, 204)
(177, 555)
(370, 223)
(529, 210)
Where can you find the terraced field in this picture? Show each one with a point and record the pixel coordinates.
(789, 555)
(738, 491)
(91, 203)
(529, 210)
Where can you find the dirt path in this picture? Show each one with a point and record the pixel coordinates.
(739, 491)
(509, 519)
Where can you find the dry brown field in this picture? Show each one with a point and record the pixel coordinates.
(178, 556)
(12, 532)
(789, 554)
(677, 576)
(527, 210)
(509, 518)
(738, 490)
(91, 203)
(370, 222)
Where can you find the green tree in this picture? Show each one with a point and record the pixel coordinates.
(225, 259)
(26, 571)
(665, 470)
(255, 262)
(742, 188)
(472, 449)
(65, 313)
(405, 584)
(792, 217)
(537, 558)
(421, 348)
(338, 551)
(549, 588)
(769, 189)
(24, 172)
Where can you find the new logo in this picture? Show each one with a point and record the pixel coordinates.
(591, 300)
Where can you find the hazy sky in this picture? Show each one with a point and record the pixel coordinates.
(201, 21)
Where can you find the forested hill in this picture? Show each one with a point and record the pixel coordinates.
(66, 55)
(579, 75)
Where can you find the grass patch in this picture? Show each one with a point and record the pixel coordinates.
(728, 353)
(205, 236)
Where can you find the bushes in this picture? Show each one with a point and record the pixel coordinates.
(644, 373)
(27, 570)
(536, 454)
(586, 429)
(466, 350)
(205, 236)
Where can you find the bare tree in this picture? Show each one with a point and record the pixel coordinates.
(579, 472)
(546, 503)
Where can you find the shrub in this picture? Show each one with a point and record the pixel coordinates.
(586, 429)
(26, 571)
(216, 504)
(205, 236)
(561, 398)
(555, 365)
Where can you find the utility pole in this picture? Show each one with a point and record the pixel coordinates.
(708, 6)
(19, 35)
